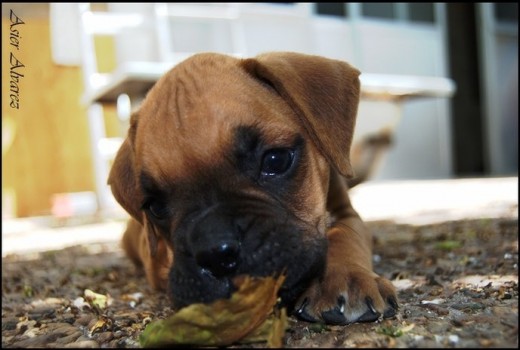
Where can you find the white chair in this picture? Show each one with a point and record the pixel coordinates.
(147, 44)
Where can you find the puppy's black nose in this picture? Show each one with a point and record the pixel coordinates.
(221, 259)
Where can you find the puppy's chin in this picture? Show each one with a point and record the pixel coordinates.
(266, 250)
(197, 286)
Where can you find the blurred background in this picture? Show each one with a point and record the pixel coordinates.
(440, 88)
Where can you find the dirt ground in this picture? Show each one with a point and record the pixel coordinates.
(457, 283)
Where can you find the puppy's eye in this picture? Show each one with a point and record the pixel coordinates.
(157, 209)
(277, 161)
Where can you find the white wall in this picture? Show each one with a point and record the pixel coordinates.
(422, 144)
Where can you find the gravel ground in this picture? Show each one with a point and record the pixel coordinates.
(457, 283)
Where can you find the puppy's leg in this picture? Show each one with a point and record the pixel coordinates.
(131, 241)
(350, 291)
(137, 248)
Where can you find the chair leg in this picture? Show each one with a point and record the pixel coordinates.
(366, 156)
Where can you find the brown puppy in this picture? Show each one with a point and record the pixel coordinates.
(238, 166)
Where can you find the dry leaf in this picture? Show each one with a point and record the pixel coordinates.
(224, 321)
(272, 330)
(99, 300)
(101, 325)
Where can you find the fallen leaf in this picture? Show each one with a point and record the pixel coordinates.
(395, 331)
(102, 324)
(271, 330)
(277, 331)
(225, 321)
(99, 300)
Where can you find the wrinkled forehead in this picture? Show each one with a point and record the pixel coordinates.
(195, 87)
(190, 118)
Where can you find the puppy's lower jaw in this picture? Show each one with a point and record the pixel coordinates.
(199, 286)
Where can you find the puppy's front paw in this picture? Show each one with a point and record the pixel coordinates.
(348, 295)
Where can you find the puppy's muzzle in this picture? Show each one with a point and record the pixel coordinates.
(215, 244)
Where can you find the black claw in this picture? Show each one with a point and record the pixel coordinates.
(389, 313)
(334, 316)
(370, 304)
(302, 306)
(392, 310)
(393, 303)
(368, 316)
(302, 313)
(371, 315)
(341, 303)
(304, 316)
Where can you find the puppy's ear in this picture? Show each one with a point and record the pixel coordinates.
(123, 181)
(123, 178)
(324, 94)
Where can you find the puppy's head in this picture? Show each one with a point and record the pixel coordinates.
(228, 160)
